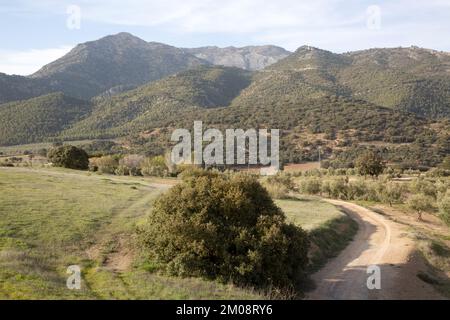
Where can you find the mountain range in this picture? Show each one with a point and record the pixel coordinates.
(123, 87)
(116, 63)
(249, 58)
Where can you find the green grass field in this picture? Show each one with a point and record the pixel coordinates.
(329, 229)
(53, 218)
(308, 211)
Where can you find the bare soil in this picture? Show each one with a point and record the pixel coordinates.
(382, 242)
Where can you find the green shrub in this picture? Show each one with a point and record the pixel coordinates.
(338, 188)
(315, 172)
(122, 170)
(225, 227)
(105, 164)
(370, 163)
(277, 191)
(341, 172)
(421, 185)
(438, 172)
(130, 165)
(420, 203)
(310, 186)
(442, 185)
(42, 152)
(357, 190)
(279, 186)
(445, 163)
(284, 179)
(189, 171)
(6, 164)
(391, 193)
(439, 248)
(155, 166)
(326, 188)
(444, 207)
(69, 157)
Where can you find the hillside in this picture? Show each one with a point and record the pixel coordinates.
(18, 88)
(123, 59)
(412, 79)
(39, 118)
(310, 115)
(409, 79)
(248, 58)
(164, 101)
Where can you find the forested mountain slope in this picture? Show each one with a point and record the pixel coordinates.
(37, 119)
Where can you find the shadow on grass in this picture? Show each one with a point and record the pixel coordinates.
(329, 240)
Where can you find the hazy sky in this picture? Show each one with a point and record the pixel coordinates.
(35, 32)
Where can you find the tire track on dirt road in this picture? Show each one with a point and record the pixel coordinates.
(380, 242)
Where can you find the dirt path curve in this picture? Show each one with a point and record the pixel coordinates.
(380, 242)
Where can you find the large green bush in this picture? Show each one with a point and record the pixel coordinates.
(69, 157)
(225, 227)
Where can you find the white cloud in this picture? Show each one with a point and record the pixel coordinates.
(337, 25)
(236, 16)
(29, 61)
(208, 16)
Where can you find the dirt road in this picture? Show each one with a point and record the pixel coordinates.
(380, 242)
